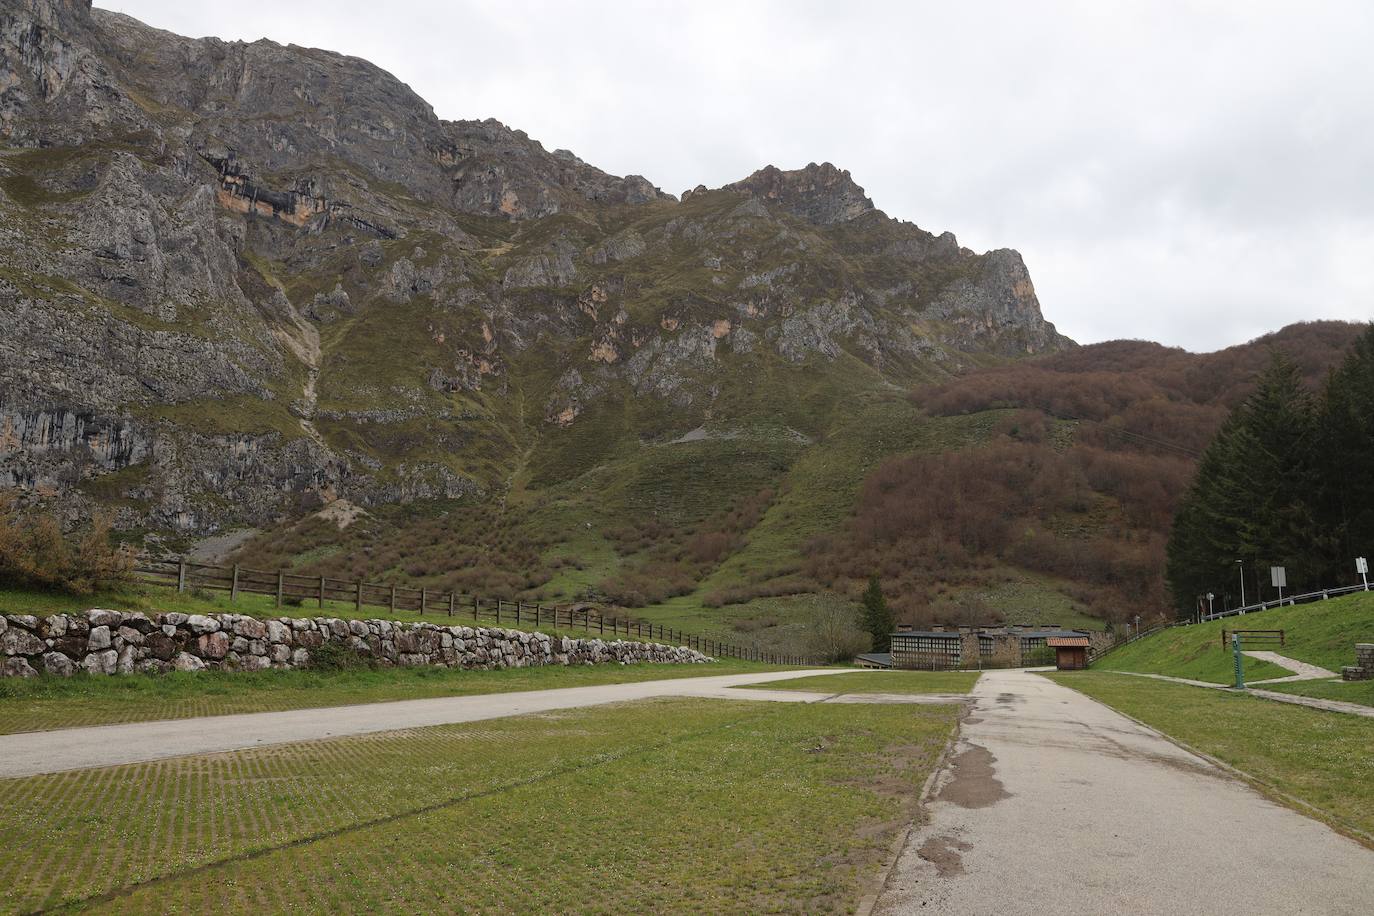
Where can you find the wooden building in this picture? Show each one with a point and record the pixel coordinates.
(976, 648)
(1070, 652)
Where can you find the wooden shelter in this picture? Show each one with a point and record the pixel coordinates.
(1070, 652)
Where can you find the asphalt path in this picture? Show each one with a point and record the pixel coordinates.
(1053, 803)
(33, 753)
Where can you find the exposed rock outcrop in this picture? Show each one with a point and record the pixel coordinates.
(236, 278)
(820, 193)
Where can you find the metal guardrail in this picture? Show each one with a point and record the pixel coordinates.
(1288, 601)
(292, 590)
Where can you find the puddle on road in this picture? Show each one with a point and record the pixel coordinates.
(973, 783)
(944, 853)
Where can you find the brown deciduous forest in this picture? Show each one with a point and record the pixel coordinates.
(1079, 481)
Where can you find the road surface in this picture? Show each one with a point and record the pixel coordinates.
(32, 753)
(1053, 803)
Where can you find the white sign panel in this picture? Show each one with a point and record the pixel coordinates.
(1278, 576)
(1361, 565)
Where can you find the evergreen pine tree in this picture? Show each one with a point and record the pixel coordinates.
(1253, 497)
(877, 618)
(1345, 461)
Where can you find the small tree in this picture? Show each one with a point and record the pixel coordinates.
(834, 634)
(877, 617)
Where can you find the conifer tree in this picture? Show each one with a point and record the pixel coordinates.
(877, 617)
(1345, 460)
(1253, 496)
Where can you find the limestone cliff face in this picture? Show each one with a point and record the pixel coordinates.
(822, 194)
(234, 276)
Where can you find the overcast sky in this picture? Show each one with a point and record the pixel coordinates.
(1196, 173)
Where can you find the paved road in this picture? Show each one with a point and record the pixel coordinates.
(1054, 803)
(78, 748)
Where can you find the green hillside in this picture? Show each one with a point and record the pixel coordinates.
(1322, 633)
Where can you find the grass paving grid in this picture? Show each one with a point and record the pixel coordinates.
(680, 804)
(1320, 758)
(895, 682)
(47, 703)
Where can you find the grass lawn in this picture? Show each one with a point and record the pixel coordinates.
(1345, 691)
(673, 805)
(1193, 652)
(1321, 633)
(1322, 758)
(44, 703)
(882, 682)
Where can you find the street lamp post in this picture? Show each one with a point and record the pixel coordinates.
(1241, 565)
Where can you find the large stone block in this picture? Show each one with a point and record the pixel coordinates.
(250, 628)
(15, 641)
(19, 667)
(213, 645)
(56, 663)
(99, 638)
(185, 661)
(101, 662)
(100, 617)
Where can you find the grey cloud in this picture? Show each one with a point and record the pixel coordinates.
(1195, 173)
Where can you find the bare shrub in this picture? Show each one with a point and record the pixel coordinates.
(833, 633)
(35, 553)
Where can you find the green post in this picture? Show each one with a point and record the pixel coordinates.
(1240, 663)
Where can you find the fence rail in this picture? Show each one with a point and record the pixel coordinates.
(183, 575)
(1094, 656)
(1306, 597)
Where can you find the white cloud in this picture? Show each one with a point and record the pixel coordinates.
(1195, 173)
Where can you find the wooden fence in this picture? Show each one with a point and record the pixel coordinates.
(294, 590)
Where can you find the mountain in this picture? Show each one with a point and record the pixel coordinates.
(242, 279)
(1073, 485)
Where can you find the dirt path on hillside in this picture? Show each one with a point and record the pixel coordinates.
(1055, 803)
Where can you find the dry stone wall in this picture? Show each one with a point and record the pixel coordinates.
(118, 642)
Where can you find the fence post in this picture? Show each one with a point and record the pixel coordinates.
(422, 600)
(451, 600)
(181, 575)
(537, 611)
(393, 601)
(498, 612)
(234, 585)
(517, 611)
(281, 586)
(601, 624)
(358, 596)
(321, 591)
(475, 602)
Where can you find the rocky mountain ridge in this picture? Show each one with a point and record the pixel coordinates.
(237, 279)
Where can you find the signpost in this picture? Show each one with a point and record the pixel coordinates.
(1362, 567)
(1239, 662)
(1279, 577)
